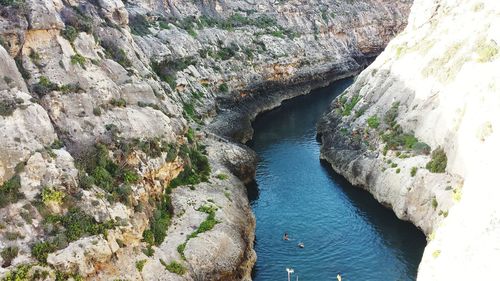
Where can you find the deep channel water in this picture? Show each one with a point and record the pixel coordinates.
(343, 228)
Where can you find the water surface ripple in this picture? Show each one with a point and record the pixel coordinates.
(343, 228)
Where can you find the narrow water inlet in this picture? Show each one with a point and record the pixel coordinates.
(343, 228)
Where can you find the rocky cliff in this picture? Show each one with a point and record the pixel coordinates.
(117, 121)
(419, 129)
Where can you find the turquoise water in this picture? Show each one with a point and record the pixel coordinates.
(343, 228)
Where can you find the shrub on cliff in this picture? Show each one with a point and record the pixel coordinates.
(9, 191)
(69, 33)
(117, 54)
(41, 250)
(438, 162)
(7, 107)
(174, 267)
(139, 25)
(167, 69)
(78, 19)
(196, 168)
(8, 254)
(223, 87)
(159, 223)
(44, 86)
(373, 122)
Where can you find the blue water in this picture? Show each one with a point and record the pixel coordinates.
(343, 228)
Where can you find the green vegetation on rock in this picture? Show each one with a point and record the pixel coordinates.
(140, 264)
(174, 267)
(9, 191)
(373, 122)
(69, 33)
(438, 162)
(487, 50)
(8, 255)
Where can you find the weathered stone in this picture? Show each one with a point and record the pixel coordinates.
(81, 255)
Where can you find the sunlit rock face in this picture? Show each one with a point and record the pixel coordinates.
(436, 83)
(96, 98)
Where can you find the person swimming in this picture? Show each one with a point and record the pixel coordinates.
(285, 237)
(301, 245)
(339, 277)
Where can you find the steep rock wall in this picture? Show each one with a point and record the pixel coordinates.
(435, 86)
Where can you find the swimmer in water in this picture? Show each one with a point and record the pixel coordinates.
(285, 237)
(339, 277)
(301, 245)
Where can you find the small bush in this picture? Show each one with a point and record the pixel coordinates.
(159, 224)
(349, 105)
(223, 88)
(208, 223)
(152, 147)
(130, 176)
(438, 162)
(413, 171)
(391, 115)
(9, 191)
(174, 267)
(373, 122)
(35, 58)
(13, 235)
(57, 144)
(226, 53)
(118, 102)
(86, 181)
(148, 237)
(12, 3)
(70, 88)
(19, 63)
(78, 59)
(7, 107)
(181, 248)
(421, 148)
(41, 250)
(190, 112)
(168, 68)
(44, 86)
(80, 21)
(49, 195)
(222, 176)
(117, 54)
(97, 111)
(196, 169)
(8, 255)
(487, 51)
(139, 25)
(140, 265)
(78, 224)
(149, 251)
(103, 178)
(69, 33)
(434, 203)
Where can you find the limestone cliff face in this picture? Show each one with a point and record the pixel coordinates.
(434, 88)
(112, 112)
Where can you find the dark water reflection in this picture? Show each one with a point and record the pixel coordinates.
(343, 228)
